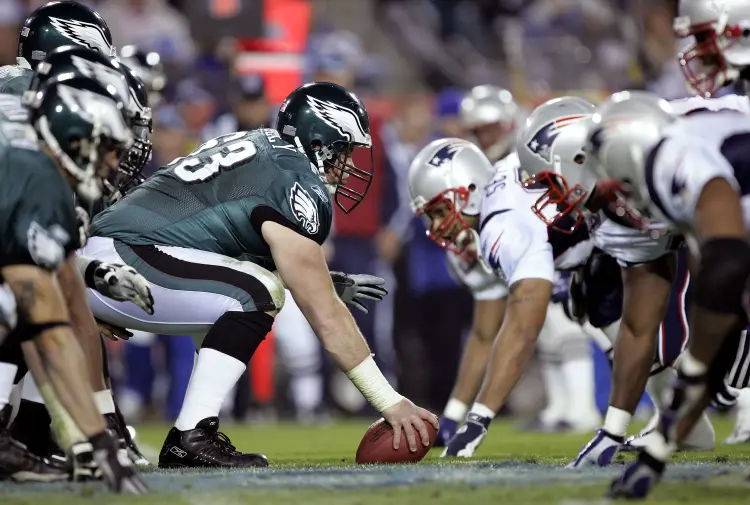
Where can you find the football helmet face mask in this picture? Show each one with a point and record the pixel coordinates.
(623, 130)
(129, 173)
(554, 162)
(489, 113)
(328, 123)
(447, 181)
(84, 125)
(62, 23)
(721, 46)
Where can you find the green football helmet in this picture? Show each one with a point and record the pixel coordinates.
(81, 121)
(79, 60)
(61, 23)
(327, 123)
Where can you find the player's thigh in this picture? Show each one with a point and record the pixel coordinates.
(191, 288)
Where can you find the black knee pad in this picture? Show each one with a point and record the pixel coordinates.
(238, 334)
(723, 276)
(603, 291)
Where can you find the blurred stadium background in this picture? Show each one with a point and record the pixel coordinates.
(228, 63)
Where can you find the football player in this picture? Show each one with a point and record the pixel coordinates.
(122, 282)
(489, 115)
(518, 246)
(220, 232)
(689, 173)
(484, 110)
(79, 131)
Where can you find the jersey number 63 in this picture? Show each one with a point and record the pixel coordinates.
(209, 159)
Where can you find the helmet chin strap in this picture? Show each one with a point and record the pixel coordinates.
(319, 166)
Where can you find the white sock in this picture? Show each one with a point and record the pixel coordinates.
(616, 421)
(7, 374)
(30, 390)
(482, 410)
(743, 400)
(105, 404)
(214, 376)
(455, 410)
(579, 382)
(307, 391)
(556, 392)
(658, 384)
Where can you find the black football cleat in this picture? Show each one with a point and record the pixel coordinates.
(20, 465)
(205, 446)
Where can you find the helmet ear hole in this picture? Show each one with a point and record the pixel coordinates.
(580, 158)
(472, 187)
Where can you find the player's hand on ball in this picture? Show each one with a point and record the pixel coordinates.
(354, 288)
(410, 418)
(124, 284)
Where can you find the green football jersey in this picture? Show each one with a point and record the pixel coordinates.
(217, 197)
(39, 225)
(15, 79)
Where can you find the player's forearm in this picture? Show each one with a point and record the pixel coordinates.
(471, 370)
(82, 319)
(65, 428)
(66, 369)
(632, 361)
(337, 332)
(510, 355)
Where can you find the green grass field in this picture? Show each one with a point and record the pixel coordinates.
(315, 465)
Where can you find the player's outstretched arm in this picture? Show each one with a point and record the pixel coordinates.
(526, 309)
(302, 267)
(488, 316)
(41, 304)
(83, 324)
(525, 312)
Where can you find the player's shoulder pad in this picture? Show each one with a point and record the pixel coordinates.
(307, 204)
(687, 106)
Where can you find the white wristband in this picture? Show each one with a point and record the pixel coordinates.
(373, 385)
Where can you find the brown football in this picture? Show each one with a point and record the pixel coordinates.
(377, 445)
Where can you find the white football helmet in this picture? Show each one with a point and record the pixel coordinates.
(489, 113)
(447, 180)
(721, 50)
(550, 148)
(623, 130)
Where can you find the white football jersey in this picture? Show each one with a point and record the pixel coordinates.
(517, 245)
(692, 152)
(695, 103)
(477, 277)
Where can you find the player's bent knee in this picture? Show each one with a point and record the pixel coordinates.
(238, 334)
(723, 276)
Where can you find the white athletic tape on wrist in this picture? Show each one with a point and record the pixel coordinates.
(373, 385)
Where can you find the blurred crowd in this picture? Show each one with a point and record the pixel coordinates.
(412, 61)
